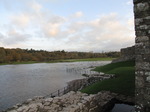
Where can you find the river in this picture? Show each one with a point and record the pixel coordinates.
(21, 82)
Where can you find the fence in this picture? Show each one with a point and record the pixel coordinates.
(76, 85)
(68, 88)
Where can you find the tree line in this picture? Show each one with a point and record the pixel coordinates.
(22, 55)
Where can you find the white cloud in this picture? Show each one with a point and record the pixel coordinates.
(51, 31)
(21, 20)
(130, 2)
(1, 36)
(52, 26)
(78, 14)
(107, 32)
(35, 6)
(12, 37)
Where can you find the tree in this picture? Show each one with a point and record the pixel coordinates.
(2, 55)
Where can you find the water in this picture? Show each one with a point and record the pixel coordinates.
(20, 82)
(123, 108)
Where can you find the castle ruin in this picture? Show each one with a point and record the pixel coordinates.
(142, 52)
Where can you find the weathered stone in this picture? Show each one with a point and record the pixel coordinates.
(148, 31)
(142, 39)
(47, 107)
(148, 18)
(32, 110)
(71, 102)
(140, 33)
(139, 81)
(148, 79)
(49, 100)
(142, 51)
(126, 54)
(47, 103)
(143, 65)
(142, 6)
(143, 27)
(147, 73)
(138, 21)
(12, 111)
(137, 1)
(28, 101)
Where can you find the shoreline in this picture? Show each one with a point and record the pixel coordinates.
(60, 61)
(56, 88)
(107, 98)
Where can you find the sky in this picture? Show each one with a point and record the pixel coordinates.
(70, 25)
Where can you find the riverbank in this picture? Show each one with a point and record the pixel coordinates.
(124, 83)
(29, 80)
(58, 61)
(75, 101)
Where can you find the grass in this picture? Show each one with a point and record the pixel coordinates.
(15, 63)
(85, 75)
(89, 59)
(124, 83)
(57, 61)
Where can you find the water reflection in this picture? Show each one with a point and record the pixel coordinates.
(123, 108)
(20, 82)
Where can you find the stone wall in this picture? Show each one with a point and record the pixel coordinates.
(79, 84)
(126, 54)
(142, 51)
(72, 102)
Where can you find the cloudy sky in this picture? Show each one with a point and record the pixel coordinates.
(70, 25)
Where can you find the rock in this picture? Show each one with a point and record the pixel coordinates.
(47, 107)
(70, 102)
(28, 101)
(32, 110)
(12, 111)
(142, 7)
(49, 99)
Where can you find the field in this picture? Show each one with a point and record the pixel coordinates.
(57, 61)
(124, 83)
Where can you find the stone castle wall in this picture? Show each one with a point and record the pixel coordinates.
(126, 54)
(142, 51)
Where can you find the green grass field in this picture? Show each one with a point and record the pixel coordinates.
(124, 83)
(57, 61)
(88, 59)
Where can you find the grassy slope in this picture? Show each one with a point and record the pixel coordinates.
(57, 61)
(89, 59)
(123, 84)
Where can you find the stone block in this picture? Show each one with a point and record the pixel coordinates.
(137, 1)
(142, 39)
(143, 65)
(147, 73)
(142, 6)
(143, 27)
(148, 78)
(139, 81)
(147, 18)
(140, 33)
(138, 21)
